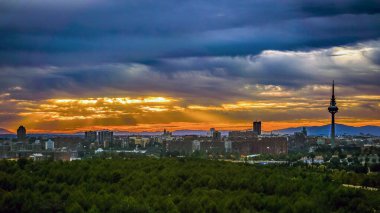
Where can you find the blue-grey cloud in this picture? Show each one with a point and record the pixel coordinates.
(299, 81)
(204, 79)
(92, 32)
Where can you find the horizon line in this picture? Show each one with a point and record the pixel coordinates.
(205, 130)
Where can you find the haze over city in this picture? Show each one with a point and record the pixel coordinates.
(70, 66)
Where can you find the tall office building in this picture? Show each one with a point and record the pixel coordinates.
(49, 145)
(257, 127)
(212, 130)
(304, 131)
(333, 109)
(90, 136)
(105, 137)
(21, 133)
(217, 136)
(167, 133)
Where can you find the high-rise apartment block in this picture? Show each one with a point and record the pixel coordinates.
(257, 127)
(21, 133)
(90, 136)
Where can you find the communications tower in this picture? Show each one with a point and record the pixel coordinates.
(333, 109)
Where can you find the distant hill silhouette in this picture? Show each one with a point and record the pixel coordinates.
(5, 132)
(341, 129)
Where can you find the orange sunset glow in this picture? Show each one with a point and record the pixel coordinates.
(154, 113)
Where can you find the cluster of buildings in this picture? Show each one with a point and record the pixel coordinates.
(40, 146)
(71, 147)
(215, 143)
(241, 142)
(100, 138)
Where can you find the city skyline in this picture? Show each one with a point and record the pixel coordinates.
(191, 65)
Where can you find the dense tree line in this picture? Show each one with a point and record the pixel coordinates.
(177, 185)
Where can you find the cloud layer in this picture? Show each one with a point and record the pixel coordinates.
(219, 62)
(68, 32)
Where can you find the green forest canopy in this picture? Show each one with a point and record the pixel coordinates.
(179, 185)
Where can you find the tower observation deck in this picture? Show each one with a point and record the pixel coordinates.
(333, 109)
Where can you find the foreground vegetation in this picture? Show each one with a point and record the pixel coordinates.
(179, 185)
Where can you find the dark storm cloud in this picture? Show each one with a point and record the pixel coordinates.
(354, 66)
(326, 7)
(115, 80)
(87, 32)
(206, 80)
(206, 51)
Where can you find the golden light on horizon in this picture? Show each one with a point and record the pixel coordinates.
(368, 97)
(116, 100)
(244, 105)
(158, 112)
(154, 108)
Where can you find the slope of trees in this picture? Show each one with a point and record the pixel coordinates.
(176, 185)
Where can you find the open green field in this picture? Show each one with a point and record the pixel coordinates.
(179, 185)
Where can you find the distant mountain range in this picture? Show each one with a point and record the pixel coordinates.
(5, 132)
(340, 129)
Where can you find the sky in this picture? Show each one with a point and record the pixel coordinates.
(145, 65)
